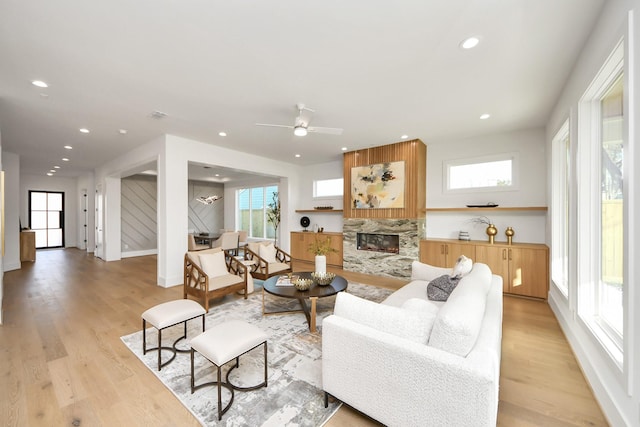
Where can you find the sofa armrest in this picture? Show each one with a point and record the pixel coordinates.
(400, 382)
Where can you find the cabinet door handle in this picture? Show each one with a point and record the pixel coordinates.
(504, 254)
(446, 249)
(442, 249)
(509, 254)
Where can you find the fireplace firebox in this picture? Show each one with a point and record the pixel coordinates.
(386, 243)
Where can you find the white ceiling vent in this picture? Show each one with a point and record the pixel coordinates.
(158, 115)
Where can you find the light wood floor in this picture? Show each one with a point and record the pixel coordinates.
(62, 362)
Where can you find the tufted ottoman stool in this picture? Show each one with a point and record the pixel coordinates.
(169, 314)
(220, 345)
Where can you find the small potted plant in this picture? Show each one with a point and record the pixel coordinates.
(320, 248)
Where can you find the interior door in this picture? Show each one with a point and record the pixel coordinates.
(98, 220)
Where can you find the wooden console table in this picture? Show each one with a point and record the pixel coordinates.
(27, 246)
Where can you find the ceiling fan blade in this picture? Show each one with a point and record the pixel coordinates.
(274, 126)
(329, 131)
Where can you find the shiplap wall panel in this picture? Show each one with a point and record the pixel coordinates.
(414, 155)
(139, 213)
(205, 218)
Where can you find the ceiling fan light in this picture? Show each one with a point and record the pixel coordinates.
(299, 131)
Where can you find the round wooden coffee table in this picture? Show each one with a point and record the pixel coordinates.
(316, 291)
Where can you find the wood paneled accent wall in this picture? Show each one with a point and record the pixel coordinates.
(414, 155)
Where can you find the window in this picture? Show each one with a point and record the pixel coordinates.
(601, 205)
(491, 173)
(252, 211)
(560, 193)
(328, 188)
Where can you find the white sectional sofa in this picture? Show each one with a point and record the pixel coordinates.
(410, 361)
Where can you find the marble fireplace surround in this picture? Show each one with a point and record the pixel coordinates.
(410, 231)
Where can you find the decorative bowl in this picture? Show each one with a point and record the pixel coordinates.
(323, 279)
(303, 284)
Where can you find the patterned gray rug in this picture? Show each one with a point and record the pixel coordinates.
(294, 395)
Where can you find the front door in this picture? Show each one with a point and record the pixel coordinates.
(46, 218)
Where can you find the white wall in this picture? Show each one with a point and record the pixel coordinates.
(11, 166)
(173, 154)
(530, 226)
(330, 221)
(1, 231)
(52, 183)
(617, 391)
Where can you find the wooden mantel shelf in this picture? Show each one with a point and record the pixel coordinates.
(506, 208)
(318, 210)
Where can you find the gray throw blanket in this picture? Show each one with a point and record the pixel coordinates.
(441, 287)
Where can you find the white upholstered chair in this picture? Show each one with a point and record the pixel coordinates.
(193, 246)
(213, 273)
(227, 241)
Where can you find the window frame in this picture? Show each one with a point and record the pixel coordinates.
(588, 165)
(561, 236)
(266, 200)
(515, 173)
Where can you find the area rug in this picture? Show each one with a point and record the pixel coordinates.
(294, 395)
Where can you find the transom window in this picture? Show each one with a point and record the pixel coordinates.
(328, 188)
(491, 173)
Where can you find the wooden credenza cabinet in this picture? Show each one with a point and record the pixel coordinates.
(444, 253)
(524, 267)
(300, 241)
(27, 246)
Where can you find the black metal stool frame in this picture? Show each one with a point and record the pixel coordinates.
(173, 349)
(227, 384)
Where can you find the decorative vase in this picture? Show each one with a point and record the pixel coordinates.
(321, 263)
(491, 232)
(509, 232)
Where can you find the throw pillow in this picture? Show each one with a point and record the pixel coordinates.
(441, 287)
(214, 265)
(462, 268)
(268, 253)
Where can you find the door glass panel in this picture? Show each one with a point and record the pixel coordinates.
(41, 238)
(55, 237)
(38, 220)
(38, 201)
(53, 220)
(54, 201)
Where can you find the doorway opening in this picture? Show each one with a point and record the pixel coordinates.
(46, 218)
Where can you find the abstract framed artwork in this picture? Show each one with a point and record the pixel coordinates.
(378, 186)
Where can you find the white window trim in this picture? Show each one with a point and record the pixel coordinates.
(330, 196)
(588, 201)
(560, 175)
(515, 173)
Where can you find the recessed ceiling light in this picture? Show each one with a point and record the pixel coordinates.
(68, 147)
(84, 130)
(297, 155)
(52, 170)
(56, 167)
(222, 133)
(49, 174)
(39, 83)
(404, 137)
(217, 174)
(470, 43)
(485, 116)
(344, 148)
(64, 159)
(122, 131)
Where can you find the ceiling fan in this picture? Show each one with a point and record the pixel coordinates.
(301, 125)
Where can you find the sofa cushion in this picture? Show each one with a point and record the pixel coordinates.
(462, 268)
(441, 287)
(268, 253)
(214, 264)
(426, 272)
(458, 322)
(412, 323)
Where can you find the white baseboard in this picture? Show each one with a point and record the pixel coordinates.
(139, 253)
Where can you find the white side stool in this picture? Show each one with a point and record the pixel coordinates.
(169, 314)
(220, 345)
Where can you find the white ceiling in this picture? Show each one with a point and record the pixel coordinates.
(378, 69)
